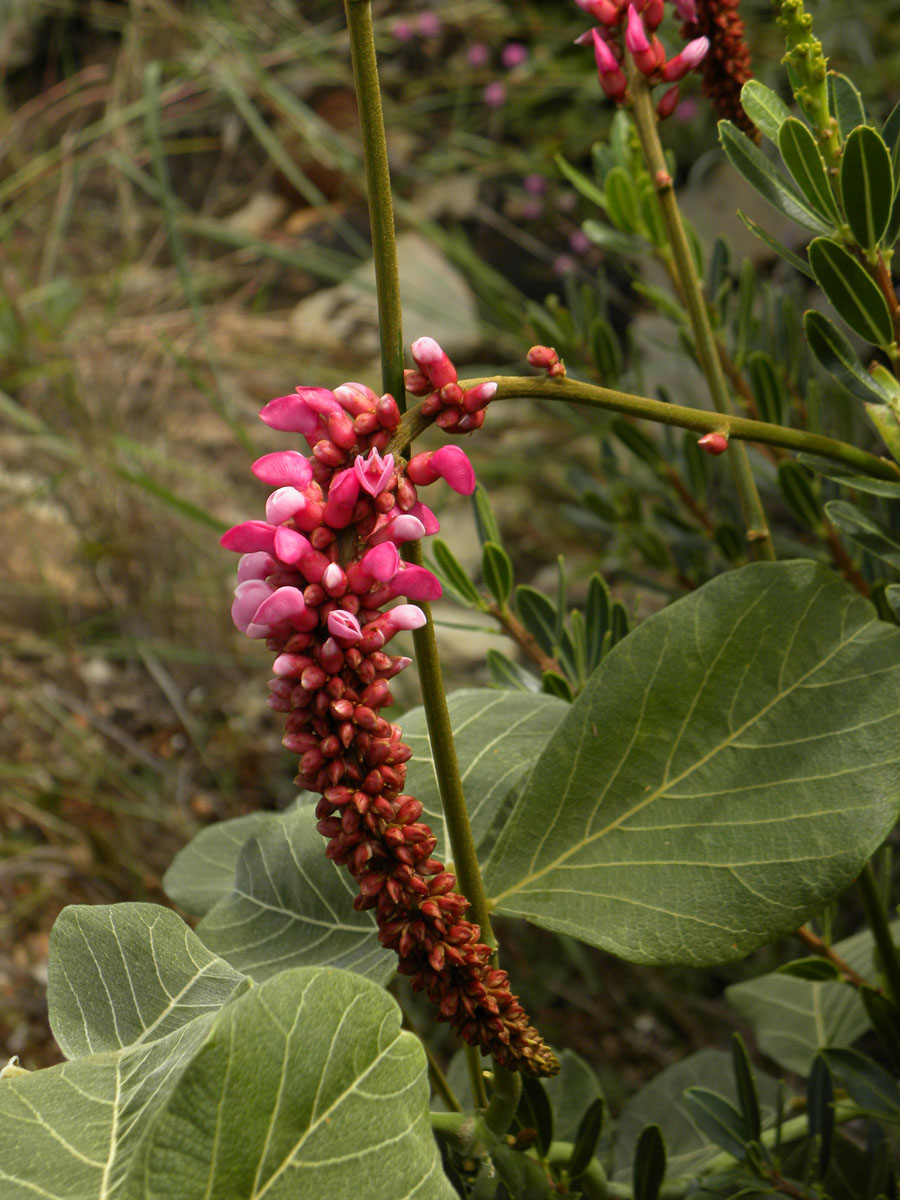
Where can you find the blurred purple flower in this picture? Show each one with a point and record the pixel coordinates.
(535, 184)
(513, 55)
(564, 264)
(478, 54)
(429, 24)
(579, 242)
(402, 31)
(531, 209)
(687, 110)
(494, 94)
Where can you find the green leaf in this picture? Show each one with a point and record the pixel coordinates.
(853, 292)
(128, 974)
(765, 108)
(454, 574)
(846, 103)
(794, 1018)
(890, 132)
(290, 906)
(816, 970)
(660, 1102)
(846, 477)
(868, 1084)
(498, 735)
(885, 419)
(497, 570)
(538, 614)
(768, 387)
(865, 531)
(534, 1112)
(718, 1119)
(884, 1015)
(773, 243)
(612, 240)
(555, 684)
(622, 201)
(485, 521)
(837, 356)
(305, 1086)
(798, 494)
(202, 872)
(745, 1082)
(597, 613)
(605, 350)
(586, 1138)
(820, 1110)
(713, 785)
(867, 185)
(507, 674)
(581, 183)
(649, 1163)
(804, 161)
(572, 1092)
(750, 162)
(638, 442)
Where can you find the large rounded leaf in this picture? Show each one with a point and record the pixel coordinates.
(202, 872)
(729, 767)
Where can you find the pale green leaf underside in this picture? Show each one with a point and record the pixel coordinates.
(203, 871)
(303, 1086)
(793, 1018)
(292, 907)
(498, 735)
(127, 973)
(727, 769)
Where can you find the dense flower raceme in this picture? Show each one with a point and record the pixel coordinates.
(313, 581)
(726, 68)
(631, 25)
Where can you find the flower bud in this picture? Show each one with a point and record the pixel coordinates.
(713, 443)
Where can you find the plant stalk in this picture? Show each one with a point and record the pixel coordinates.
(378, 190)
(645, 120)
(877, 919)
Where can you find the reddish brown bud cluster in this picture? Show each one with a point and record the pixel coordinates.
(726, 67)
(546, 357)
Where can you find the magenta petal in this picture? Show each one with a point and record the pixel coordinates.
(255, 566)
(405, 616)
(283, 503)
(284, 604)
(290, 414)
(404, 528)
(374, 472)
(291, 546)
(417, 583)
(343, 624)
(426, 516)
(283, 468)
(247, 598)
(453, 464)
(381, 562)
(249, 536)
(320, 400)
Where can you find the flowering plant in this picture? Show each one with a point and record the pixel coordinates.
(683, 792)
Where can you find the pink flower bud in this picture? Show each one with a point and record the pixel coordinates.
(653, 13)
(479, 397)
(604, 11)
(249, 536)
(494, 94)
(342, 499)
(290, 414)
(668, 102)
(416, 383)
(341, 430)
(248, 596)
(373, 472)
(635, 34)
(513, 55)
(426, 516)
(343, 624)
(433, 362)
(282, 504)
(402, 528)
(606, 60)
(257, 565)
(355, 398)
(334, 581)
(542, 356)
(284, 468)
(713, 443)
(404, 616)
(387, 412)
(689, 58)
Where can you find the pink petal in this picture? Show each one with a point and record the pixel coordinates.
(606, 60)
(373, 472)
(248, 596)
(283, 503)
(356, 398)
(283, 468)
(381, 562)
(284, 604)
(291, 546)
(405, 616)
(343, 624)
(417, 583)
(453, 464)
(426, 516)
(635, 34)
(255, 566)
(290, 414)
(403, 528)
(249, 536)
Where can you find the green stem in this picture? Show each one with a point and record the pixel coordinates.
(504, 1099)
(881, 931)
(645, 120)
(378, 189)
(575, 391)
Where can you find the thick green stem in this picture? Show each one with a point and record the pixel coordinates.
(881, 931)
(378, 188)
(575, 391)
(707, 351)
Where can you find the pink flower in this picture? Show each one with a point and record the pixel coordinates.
(342, 498)
(579, 242)
(402, 31)
(494, 94)
(374, 473)
(403, 527)
(604, 11)
(283, 468)
(635, 35)
(343, 624)
(477, 54)
(416, 583)
(535, 184)
(689, 58)
(248, 596)
(257, 565)
(433, 362)
(429, 24)
(513, 55)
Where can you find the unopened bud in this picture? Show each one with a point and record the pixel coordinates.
(713, 443)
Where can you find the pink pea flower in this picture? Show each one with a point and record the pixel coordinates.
(374, 473)
(298, 413)
(248, 596)
(416, 583)
(494, 94)
(429, 24)
(477, 54)
(689, 58)
(612, 77)
(248, 537)
(284, 468)
(399, 529)
(343, 624)
(283, 607)
(513, 55)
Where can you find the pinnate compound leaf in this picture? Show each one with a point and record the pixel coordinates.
(792, 1019)
(867, 185)
(124, 974)
(837, 356)
(852, 291)
(726, 771)
(202, 872)
(498, 736)
(750, 162)
(661, 1102)
(290, 906)
(804, 161)
(765, 108)
(865, 531)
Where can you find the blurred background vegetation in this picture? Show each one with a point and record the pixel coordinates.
(183, 235)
